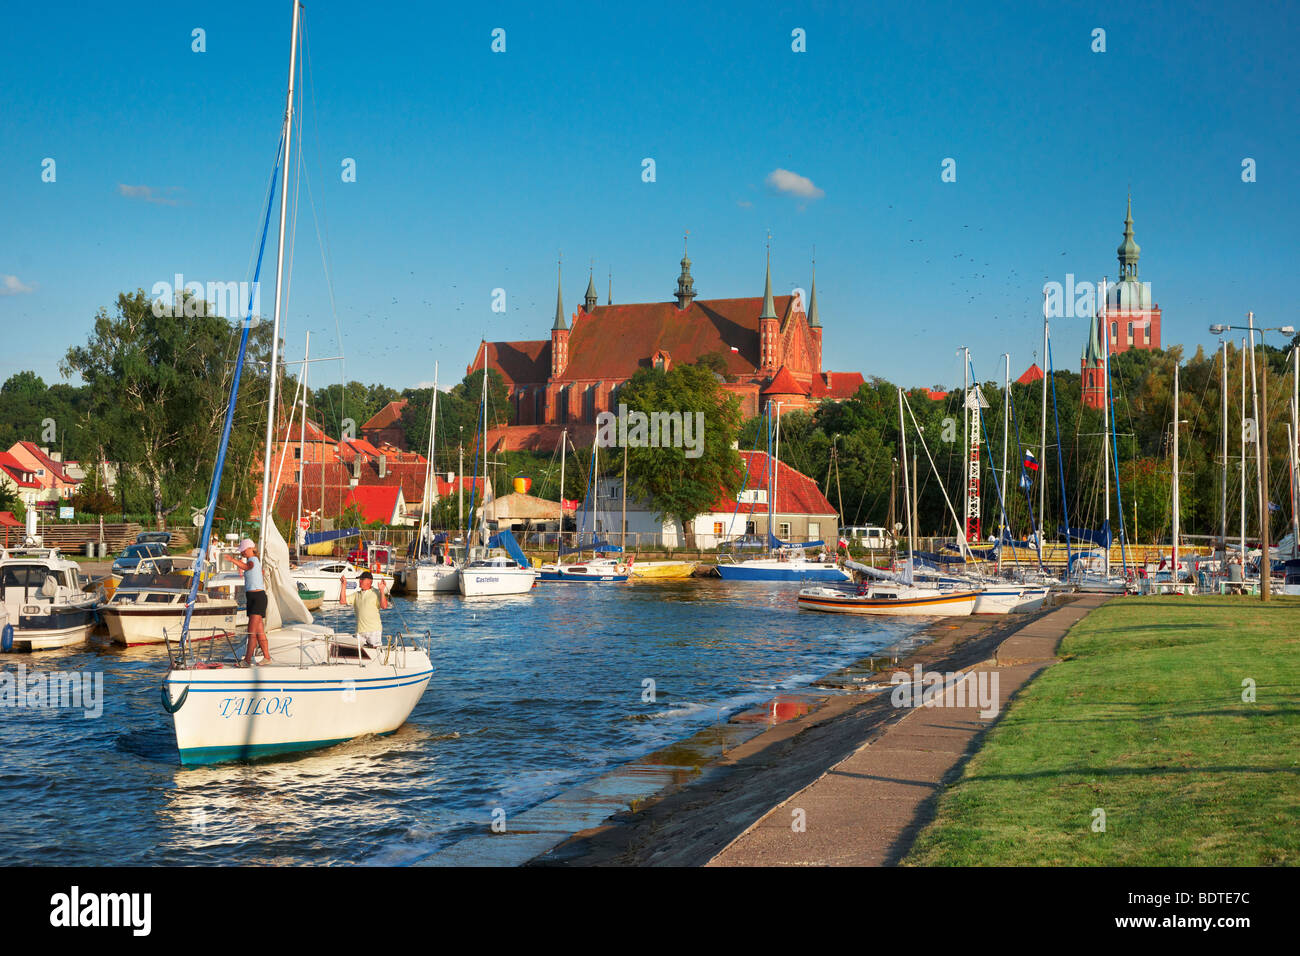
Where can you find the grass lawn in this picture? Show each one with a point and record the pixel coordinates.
(1143, 719)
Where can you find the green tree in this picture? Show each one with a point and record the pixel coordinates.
(682, 487)
(158, 391)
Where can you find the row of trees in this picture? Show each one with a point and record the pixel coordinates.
(154, 395)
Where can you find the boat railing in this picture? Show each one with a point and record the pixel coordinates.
(188, 653)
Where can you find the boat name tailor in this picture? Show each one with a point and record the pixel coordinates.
(53, 690)
(246, 707)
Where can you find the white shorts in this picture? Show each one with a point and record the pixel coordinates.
(372, 638)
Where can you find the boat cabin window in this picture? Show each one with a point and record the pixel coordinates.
(24, 576)
(158, 598)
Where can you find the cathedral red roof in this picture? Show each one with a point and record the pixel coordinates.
(520, 363)
(386, 417)
(783, 383)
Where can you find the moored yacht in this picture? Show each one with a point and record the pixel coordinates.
(42, 594)
(149, 604)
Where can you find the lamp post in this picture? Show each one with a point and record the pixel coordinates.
(1261, 442)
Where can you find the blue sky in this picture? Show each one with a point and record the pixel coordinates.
(475, 169)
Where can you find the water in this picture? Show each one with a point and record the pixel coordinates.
(529, 696)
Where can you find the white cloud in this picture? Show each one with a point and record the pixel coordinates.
(12, 285)
(148, 195)
(744, 204)
(784, 181)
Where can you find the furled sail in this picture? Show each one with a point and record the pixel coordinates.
(283, 606)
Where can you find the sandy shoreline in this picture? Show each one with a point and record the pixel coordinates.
(694, 816)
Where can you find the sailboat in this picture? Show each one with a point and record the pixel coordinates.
(428, 571)
(785, 561)
(487, 572)
(322, 688)
(889, 593)
(600, 569)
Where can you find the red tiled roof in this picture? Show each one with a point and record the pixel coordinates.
(796, 493)
(520, 363)
(837, 385)
(294, 433)
(615, 340)
(16, 469)
(784, 383)
(1032, 374)
(935, 395)
(539, 438)
(387, 416)
(49, 464)
(350, 449)
(377, 503)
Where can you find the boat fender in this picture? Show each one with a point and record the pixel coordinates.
(167, 699)
(7, 638)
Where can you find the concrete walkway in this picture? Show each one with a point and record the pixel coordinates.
(867, 809)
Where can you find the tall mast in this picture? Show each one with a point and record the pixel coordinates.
(907, 485)
(1294, 450)
(1105, 422)
(1006, 424)
(776, 472)
(1175, 485)
(279, 277)
(1243, 455)
(965, 437)
(1223, 504)
(302, 445)
(1265, 568)
(564, 453)
(1042, 448)
(429, 470)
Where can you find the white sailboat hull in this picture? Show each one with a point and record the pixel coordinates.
(430, 579)
(1016, 600)
(240, 713)
(481, 582)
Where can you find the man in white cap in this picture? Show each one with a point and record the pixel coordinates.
(255, 599)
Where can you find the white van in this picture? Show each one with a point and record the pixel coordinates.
(869, 536)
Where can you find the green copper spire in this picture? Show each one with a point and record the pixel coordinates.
(1092, 354)
(560, 325)
(769, 307)
(591, 298)
(813, 321)
(1128, 250)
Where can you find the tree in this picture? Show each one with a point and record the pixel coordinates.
(158, 390)
(679, 487)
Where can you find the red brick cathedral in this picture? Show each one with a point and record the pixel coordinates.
(1129, 315)
(770, 345)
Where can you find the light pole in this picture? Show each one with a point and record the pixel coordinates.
(1261, 442)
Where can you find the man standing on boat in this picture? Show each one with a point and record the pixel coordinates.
(255, 599)
(368, 604)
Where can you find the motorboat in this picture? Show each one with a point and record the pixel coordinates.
(324, 576)
(787, 564)
(43, 596)
(495, 575)
(597, 570)
(149, 603)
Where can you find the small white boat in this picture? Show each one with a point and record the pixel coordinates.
(324, 576)
(495, 576)
(427, 577)
(597, 570)
(43, 598)
(889, 599)
(1009, 599)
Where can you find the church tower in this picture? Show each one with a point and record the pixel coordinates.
(685, 284)
(814, 325)
(559, 330)
(768, 324)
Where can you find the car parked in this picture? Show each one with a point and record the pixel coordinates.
(133, 554)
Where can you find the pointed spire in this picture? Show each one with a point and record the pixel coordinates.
(813, 321)
(769, 306)
(610, 300)
(685, 284)
(560, 325)
(591, 297)
(1128, 250)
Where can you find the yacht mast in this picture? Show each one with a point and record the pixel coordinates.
(1175, 485)
(279, 282)
(429, 471)
(1006, 421)
(1243, 456)
(1105, 422)
(1042, 447)
(907, 487)
(1223, 509)
(298, 530)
